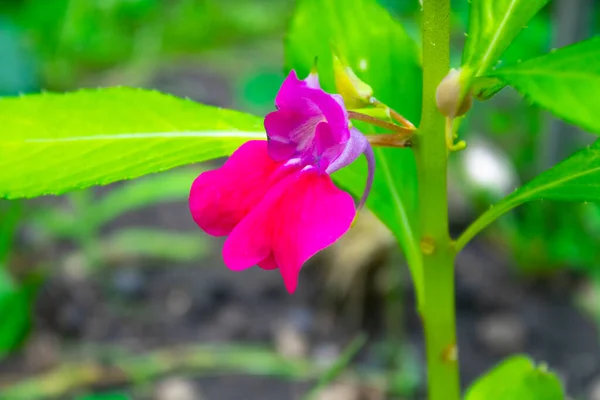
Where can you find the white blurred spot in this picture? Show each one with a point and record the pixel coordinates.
(489, 167)
(362, 64)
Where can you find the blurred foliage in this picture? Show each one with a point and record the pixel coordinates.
(18, 68)
(547, 237)
(120, 365)
(62, 44)
(105, 396)
(82, 224)
(15, 297)
(543, 237)
(86, 218)
(337, 367)
(75, 37)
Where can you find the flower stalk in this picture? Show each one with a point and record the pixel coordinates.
(381, 123)
(395, 115)
(431, 153)
(394, 140)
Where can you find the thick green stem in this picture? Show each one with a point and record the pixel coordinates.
(431, 152)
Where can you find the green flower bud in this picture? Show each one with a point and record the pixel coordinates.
(356, 93)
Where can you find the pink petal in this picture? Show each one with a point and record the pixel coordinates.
(312, 214)
(309, 102)
(328, 108)
(250, 241)
(268, 263)
(299, 216)
(311, 125)
(328, 148)
(288, 131)
(357, 145)
(288, 89)
(219, 199)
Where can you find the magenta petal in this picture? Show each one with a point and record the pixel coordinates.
(313, 128)
(281, 151)
(357, 145)
(288, 132)
(311, 215)
(250, 241)
(312, 121)
(268, 263)
(219, 199)
(248, 244)
(299, 216)
(329, 109)
(287, 92)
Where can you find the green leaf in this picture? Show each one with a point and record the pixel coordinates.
(566, 82)
(575, 179)
(382, 55)
(516, 378)
(485, 87)
(52, 143)
(493, 25)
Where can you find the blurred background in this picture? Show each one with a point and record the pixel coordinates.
(114, 294)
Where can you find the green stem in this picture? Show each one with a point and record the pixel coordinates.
(431, 153)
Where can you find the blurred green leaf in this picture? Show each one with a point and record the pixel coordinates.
(337, 367)
(53, 143)
(549, 236)
(516, 378)
(132, 195)
(55, 222)
(493, 25)
(152, 190)
(10, 213)
(382, 54)
(155, 244)
(566, 82)
(105, 396)
(575, 179)
(213, 359)
(17, 69)
(14, 302)
(15, 319)
(7, 284)
(15, 309)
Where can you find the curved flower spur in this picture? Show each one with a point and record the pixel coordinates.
(275, 199)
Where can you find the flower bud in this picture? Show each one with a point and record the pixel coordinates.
(356, 93)
(448, 95)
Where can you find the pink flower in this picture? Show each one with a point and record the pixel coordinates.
(275, 199)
